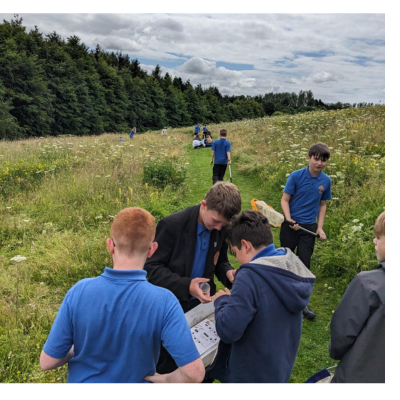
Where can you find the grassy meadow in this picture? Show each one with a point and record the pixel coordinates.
(58, 197)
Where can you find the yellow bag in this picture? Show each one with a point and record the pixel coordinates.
(275, 219)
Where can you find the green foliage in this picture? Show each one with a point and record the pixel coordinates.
(163, 172)
(57, 87)
(277, 113)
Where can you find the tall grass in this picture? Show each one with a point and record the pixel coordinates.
(58, 197)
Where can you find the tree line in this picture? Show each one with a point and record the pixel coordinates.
(51, 86)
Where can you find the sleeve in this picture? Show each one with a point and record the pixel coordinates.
(228, 147)
(327, 195)
(223, 266)
(176, 336)
(157, 267)
(213, 146)
(60, 337)
(349, 318)
(290, 186)
(233, 313)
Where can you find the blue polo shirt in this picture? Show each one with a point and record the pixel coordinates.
(197, 129)
(204, 128)
(200, 254)
(269, 251)
(221, 146)
(117, 323)
(306, 193)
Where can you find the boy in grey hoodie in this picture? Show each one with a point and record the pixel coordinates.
(358, 324)
(262, 319)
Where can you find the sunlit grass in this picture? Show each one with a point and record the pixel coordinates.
(58, 197)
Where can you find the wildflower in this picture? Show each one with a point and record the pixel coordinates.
(287, 175)
(355, 221)
(26, 220)
(330, 287)
(107, 176)
(8, 207)
(18, 258)
(326, 285)
(99, 217)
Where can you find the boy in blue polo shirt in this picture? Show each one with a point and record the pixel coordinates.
(109, 329)
(221, 150)
(304, 201)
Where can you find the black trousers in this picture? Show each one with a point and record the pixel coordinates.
(303, 241)
(218, 172)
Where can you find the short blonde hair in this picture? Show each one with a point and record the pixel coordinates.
(133, 230)
(224, 198)
(379, 228)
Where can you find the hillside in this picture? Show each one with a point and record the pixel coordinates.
(59, 196)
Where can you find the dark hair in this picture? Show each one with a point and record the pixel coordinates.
(319, 150)
(223, 132)
(224, 198)
(252, 226)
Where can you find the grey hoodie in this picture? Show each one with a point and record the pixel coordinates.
(358, 330)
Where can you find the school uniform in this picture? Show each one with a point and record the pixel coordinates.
(172, 265)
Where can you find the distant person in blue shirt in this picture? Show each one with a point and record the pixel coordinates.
(197, 129)
(109, 329)
(221, 151)
(260, 322)
(303, 201)
(133, 131)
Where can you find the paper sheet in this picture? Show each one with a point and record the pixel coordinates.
(204, 335)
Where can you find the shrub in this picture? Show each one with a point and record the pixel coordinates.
(163, 172)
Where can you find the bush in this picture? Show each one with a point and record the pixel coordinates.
(277, 113)
(163, 172)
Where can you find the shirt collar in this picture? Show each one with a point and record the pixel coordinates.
(266, 252)
(201, 228)
(132, 274)
(310, 176)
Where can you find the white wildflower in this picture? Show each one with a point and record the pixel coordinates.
(355, 221)
(99, 217)
(26, 220)
(18, 258)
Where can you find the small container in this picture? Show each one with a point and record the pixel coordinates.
(205, 288)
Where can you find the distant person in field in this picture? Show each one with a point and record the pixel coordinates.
(192, 249)
(164, 131)
(197, 129)
(197, 142)
(204, 131)
(133, 131)
(110, 328)
(261, 320)
(358, 324)
(303, 201)
(221, 151)
(208, 140)
(121, 139)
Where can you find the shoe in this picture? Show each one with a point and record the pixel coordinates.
(309, 314)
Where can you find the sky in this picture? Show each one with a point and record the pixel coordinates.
(339, 56)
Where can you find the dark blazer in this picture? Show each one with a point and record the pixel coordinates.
(171, 265)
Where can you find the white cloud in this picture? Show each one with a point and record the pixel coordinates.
(323, 76)
(340, 57)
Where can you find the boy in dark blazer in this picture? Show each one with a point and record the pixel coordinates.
(192, 249)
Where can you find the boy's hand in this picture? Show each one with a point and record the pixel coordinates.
(156, 378)
(295, 227)
(221, 293)
(195, 291)
(231, 275)
(211, 162)
(321, 233)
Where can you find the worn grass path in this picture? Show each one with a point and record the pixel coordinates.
(313, 352)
